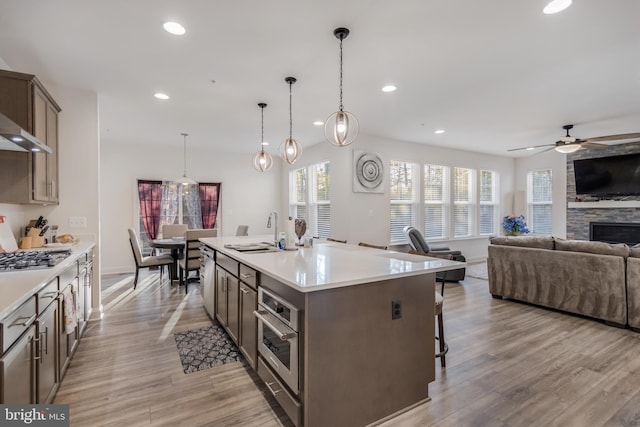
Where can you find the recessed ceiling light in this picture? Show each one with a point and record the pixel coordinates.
(265, 143)
(555, 6)
(439, 131)
(160, 95)
(389, 88)
(318, 123)
(174, 28)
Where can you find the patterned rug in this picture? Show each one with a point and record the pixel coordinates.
(205, 347)
(479, 271)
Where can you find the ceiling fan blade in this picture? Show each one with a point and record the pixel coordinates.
(532, 147)
(548, 149)
(589, 144)
(614, 137)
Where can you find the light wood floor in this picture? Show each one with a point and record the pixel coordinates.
(509, 364)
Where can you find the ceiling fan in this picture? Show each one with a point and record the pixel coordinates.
(570, 144)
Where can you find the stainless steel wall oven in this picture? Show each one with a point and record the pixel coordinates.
(278, 336)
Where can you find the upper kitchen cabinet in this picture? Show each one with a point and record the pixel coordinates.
(30, 178)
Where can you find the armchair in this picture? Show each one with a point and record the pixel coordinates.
(417, 242)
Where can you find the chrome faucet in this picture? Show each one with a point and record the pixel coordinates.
(275, 232)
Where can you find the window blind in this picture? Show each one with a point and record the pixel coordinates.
(462, 202)
(540, 201)
(435, 201)
(488, 196)
(403, 198)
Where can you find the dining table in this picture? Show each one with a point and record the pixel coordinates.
(176, 245)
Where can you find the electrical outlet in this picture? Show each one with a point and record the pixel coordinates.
(78, 221)
(396, 310)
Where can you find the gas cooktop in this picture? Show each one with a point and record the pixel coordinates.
(31, 260)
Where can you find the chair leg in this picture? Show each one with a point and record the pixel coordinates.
(444, 348)
(135, 279)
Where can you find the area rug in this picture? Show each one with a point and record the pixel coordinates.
(205, 348)
(479, 271)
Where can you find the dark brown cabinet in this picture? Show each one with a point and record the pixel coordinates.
(18, 370)
(29, 178)
(233, 291)
(248, 342)
(46, 363)
(221, 296)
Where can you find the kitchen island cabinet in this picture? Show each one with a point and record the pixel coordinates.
(358, 359)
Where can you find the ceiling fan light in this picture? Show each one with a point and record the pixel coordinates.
(568, 148)
(556, 6)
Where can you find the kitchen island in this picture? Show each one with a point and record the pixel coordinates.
(364, 326)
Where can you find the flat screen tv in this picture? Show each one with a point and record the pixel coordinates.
(608, 176)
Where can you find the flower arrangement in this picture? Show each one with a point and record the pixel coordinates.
(514, 225)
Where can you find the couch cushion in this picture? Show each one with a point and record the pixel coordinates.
(599, 248)
(538, 242)
(634, 251)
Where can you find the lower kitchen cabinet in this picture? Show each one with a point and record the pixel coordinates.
(248, 342)
(47, 373)
(233, 291)
(18, 370)
(221, 296)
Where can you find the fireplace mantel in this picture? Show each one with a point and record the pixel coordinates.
(605, 204)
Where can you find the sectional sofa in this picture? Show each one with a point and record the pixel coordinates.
(594, 279)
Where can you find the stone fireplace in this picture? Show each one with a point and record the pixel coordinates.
(581, 214)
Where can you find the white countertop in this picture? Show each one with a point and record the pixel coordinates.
(17, 286)
(330, 265)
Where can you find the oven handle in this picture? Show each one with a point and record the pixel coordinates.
(262, 316)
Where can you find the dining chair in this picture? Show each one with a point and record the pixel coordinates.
(146, 261)
(369, 245)
(242, 230)
(438, 312)
(192, 256)
(173, 230)
(331, 239)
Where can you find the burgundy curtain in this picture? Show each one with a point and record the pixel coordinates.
(209, 201)
(150, 196)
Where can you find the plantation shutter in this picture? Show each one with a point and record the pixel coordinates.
(403, 198)
(540, 201)
(487, 202)
(435, 202)
(322, 199)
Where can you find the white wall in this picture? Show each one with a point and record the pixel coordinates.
(557, 162)
(247, 196)
(364, 217)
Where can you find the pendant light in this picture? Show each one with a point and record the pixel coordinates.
(290, 149)
(262, 160)
(185, 180)
(341, 128)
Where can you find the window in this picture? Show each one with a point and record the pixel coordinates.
(311, 199)
(166, 202)
(298, 194)
(463, 202)
(321, 200)
(488, 195)
(539, 201)
(436, 190)
(404, 198)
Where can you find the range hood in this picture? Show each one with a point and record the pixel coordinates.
(13, 137)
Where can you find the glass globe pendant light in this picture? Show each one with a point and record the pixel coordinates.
(262, 160)
(185, 180)
(341, 128)
(290, 149)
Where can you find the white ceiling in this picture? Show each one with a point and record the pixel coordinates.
(496, 74)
